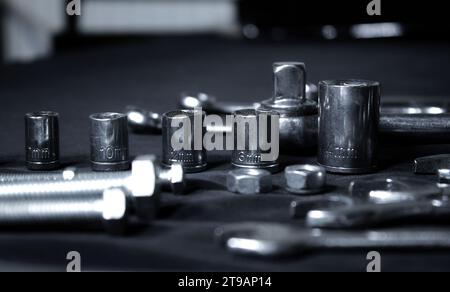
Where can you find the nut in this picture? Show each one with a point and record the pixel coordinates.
(305, 179)
(249, 181)
(143, 187)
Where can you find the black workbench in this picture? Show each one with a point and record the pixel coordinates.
(151, 73)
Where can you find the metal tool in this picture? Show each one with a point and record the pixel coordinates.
(348, 125)
(278, 240)
(110, 210)
(141, 120)
(431, 164)
(109, 142)
(171, 180)
(390, 105)
(305, 179)
(413, 108)
(42, 140)
(249, 181)
(373, 201)
(10, 176)
(419, 124)
(143, 183)
(210, 104)
(247, 137)
(426, 127)
(182, 126)
(298, 115)
(444, 181)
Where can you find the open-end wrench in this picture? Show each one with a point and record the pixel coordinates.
(431, 164)
(276, 240)
(373, 201)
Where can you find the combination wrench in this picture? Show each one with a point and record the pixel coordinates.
(279, 240)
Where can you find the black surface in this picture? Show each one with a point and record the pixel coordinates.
(151, 73)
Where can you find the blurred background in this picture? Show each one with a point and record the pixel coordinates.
(34, 29)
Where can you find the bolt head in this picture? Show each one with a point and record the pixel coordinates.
(115, 211)
(143, 185)
(249, 181)
(305, 178)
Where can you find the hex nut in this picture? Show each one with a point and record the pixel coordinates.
(249, 181)
(305, 179)
(143, 186)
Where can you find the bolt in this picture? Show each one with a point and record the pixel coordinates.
(109, 210)
(15, 177)
(142, 183)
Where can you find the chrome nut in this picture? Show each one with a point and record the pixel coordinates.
(249, 181)
(305, 179)
(144, 187)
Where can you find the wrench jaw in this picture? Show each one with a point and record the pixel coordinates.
(431, 164)
(385, 190)
(261, 239)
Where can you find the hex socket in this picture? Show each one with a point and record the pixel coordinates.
(247, 128)
(109, 142)
(42, 140)
(183, 127)
(348, 125)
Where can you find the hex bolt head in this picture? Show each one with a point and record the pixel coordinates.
(249, 181)
(305, 179)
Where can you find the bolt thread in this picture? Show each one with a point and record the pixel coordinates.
(21, 185)
(11, 177)
(51, 211)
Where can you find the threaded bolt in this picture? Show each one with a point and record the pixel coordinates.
(109, 210)
(142, 183)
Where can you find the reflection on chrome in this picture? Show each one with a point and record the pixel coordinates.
(413, 110)
(249, 245)
(377, 30)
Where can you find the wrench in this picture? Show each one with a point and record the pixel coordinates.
(278, 240)
(373, 201)
(431, 164)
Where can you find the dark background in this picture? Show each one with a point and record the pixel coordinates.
(88, 74)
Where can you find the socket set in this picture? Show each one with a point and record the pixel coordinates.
(342, 120)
